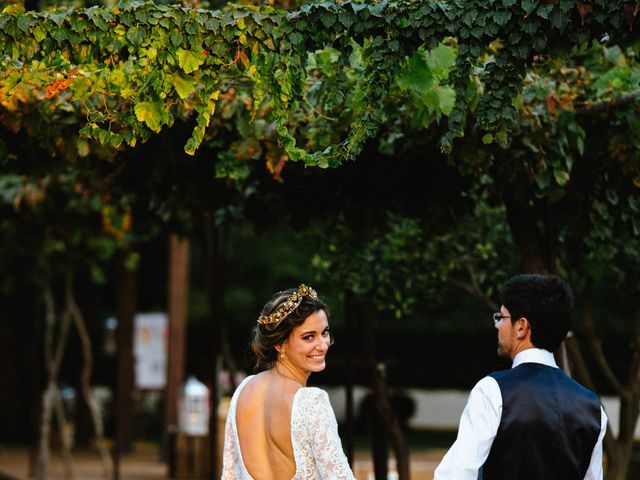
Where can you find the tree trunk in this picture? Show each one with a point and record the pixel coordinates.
(87, 369)
(618, 465)
(536, 256)
(54, 349)
(381, 397)
(522, 223)
(379, 445)
(618, 451)
(629, 410)
(42, 465)
(65, 432)
(38, 386)
(52, 405)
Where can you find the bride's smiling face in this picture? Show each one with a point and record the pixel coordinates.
(308, 343)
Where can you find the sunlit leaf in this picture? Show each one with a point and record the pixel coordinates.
(190, 61)
(152, 114)
(183, 85)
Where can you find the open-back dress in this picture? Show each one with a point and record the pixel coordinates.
(317, 449)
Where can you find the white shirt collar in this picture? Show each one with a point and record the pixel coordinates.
(535, 355)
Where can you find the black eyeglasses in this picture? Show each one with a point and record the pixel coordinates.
(498, 317)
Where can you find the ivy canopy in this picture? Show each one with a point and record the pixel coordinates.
(122, 73)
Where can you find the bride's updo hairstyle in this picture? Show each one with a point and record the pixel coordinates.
(285, 311)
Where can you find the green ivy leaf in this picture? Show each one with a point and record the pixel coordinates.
(183, 85)
(502, 136)
(135, 35)
(417, 75)
(328, 19)
(377, 8)
(529, 6)
(39, 34)
(152, 114)
(422, 75)
(543, 181)
(487, 138)
(296, 38)
(176, 38)
(14, 9)
(345, 19)
(440, 60)
(446, 99)
(558, 19)
(501, 17)
(24, 22)
(561, 177)
(189, 61)
(544, 10)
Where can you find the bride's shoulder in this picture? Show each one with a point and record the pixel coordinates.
(241, 387)
(247, 380)
(312, 408)
(312, 395)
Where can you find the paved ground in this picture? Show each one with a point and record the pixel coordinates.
(422, 465)
(144, 464)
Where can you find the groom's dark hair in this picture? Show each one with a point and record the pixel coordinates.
(545, 301)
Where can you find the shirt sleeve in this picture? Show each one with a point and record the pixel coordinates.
(478, 427)
(595, 467)
(325, 442)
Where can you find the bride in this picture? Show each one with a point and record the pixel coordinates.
(278, 428)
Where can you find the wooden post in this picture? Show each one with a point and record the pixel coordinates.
(191, 457)
(127, 306)
(177, 309)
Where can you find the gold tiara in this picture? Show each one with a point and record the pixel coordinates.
(288, 306)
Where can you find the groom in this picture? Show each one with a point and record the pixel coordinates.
(532, 421)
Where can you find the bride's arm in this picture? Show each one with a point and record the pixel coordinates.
(325, 442)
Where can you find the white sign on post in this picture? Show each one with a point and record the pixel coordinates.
(150, 350)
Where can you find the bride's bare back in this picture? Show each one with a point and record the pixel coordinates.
(263, 419)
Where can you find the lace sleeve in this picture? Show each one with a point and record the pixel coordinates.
(330, 459)
(228, 458)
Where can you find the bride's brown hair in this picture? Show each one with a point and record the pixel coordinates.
(267, 337)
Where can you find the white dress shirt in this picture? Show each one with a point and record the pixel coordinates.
(480, 421)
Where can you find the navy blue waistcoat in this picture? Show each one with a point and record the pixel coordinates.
(548, 428)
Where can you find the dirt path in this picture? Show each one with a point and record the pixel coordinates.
(145, 464)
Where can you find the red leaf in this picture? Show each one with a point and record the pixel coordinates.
(552, 103)
(583, 9)
(57, 87)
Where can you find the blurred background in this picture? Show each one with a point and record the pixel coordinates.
(132, 273)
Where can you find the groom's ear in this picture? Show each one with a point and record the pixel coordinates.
(523, 328)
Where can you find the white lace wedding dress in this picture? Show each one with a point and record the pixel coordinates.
(314, 435)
